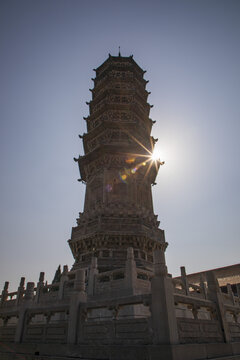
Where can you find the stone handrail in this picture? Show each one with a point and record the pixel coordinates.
(201, 307)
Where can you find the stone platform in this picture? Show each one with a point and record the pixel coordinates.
(9, 351)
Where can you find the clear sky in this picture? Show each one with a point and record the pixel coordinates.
(191, 51)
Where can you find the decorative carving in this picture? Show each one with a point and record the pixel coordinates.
(119, 99)
(109, 137)
(121, 74)
(105, 161)
(85, 245)
(116, 116)
(122, 64)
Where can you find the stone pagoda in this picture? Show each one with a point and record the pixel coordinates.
(118, 301)
(118, 171)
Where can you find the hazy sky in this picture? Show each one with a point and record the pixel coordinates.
(191, 51)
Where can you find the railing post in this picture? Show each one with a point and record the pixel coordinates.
(130, 272)
(20, 291)
(214, 294)
(29, 294)
(238, 290)
(203, 286)
(4, 293)
(184, 280)
(79, 282)
(63, 280)
(28, 298)
(230, 293)
(78, 297)
(91, 278)
(163, 308)
(40, 285)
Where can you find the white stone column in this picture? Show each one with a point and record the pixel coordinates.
(91, 278)
(184, 280)
(163, 309)
(238, 290)
(20, 291)
(40, 285)
(63, 280)
(230, 293)
(4, 293)
(27, 300)
(203, 286)
(78, 297)
(214, 294)
(130, 272)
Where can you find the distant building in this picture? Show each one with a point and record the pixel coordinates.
(118, 300)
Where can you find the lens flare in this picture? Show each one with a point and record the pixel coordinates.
(130, 160)
(109, 187)
(123, 176)
(155, 155)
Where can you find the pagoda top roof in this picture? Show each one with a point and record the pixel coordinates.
(118, 59)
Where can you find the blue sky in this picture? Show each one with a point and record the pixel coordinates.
(190, 49)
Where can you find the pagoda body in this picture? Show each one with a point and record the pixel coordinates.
(118, 171)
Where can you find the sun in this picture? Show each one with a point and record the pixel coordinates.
(155, 155)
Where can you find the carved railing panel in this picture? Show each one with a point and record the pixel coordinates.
(8, 326)
(134, 331)
(199, 331)
(46, 327)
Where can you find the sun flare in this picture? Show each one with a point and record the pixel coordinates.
(155, 155)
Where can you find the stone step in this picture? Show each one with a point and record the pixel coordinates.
(19, 356)
(230, 357)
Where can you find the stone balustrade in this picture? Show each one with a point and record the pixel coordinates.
(151, 308)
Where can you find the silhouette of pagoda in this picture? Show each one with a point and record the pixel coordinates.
(118, 171)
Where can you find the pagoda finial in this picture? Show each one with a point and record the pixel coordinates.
(119, 53)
